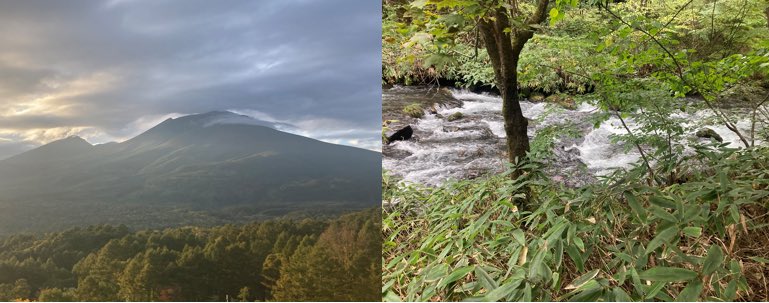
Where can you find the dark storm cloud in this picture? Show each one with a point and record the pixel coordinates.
(107, 70)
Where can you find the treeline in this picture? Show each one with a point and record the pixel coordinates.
(564, 54)
(286, 260)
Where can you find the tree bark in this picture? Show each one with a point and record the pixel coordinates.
(504, 48)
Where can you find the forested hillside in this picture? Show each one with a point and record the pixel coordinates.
(286, 260)
(610, 150)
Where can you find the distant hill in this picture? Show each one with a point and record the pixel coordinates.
(213, 168)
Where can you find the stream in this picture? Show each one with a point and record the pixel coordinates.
(474, 145)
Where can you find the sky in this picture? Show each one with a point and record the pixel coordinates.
(109, 70)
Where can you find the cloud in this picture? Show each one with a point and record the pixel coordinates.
(109, 70)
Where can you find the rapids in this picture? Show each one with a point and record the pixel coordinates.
(474, 145)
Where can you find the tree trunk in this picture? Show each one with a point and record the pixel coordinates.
(504, 60)
(516, 125)
(504, 45)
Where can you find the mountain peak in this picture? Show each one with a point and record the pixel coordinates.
(70, 142)
(219, 117)
(219, 112)
(74, 138)
(214, 114)
(59, 149)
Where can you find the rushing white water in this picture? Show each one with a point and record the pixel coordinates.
(598, 152)
(474, 145)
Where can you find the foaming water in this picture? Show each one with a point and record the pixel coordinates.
(468, 147)
(475, 144)
(600, 154)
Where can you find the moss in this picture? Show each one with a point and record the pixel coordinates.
(455, 116)
(537, 97)
(710, 134)
(564, 101)
(414, 110)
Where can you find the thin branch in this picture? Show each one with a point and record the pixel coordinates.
(753, 121)
(638, 146)
(680, 74)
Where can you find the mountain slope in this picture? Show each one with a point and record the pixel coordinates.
(213, 162)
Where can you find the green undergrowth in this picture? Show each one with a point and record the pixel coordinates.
(531, 239)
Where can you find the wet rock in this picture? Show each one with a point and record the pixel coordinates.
(709, 134)
(451, 129)
(474, 174)
(564, 101)
(402, 134)
(433, 109)
(414, 110)
(446, 92)
(537, 97)
(455, 116)
(741, 96)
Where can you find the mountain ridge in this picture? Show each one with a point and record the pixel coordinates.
(198, 162)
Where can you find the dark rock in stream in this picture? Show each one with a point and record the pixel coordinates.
(402, 134)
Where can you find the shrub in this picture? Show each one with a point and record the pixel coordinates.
(705, 239)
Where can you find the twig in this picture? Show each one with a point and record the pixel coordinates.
(680, 74)
(638, 146)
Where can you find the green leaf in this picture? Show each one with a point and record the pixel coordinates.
(691, 292)
(713, 261)
(554, 13)
(558, 253)
(538, 270)
(576, 256)
(437, 60)
(731, 290)
(391, 297)
(663, 237)
(635, 206)
(725, 182)
(667, 274)
(456, 275)
(588, 295)
(578, 242)
(519, 237)
(582, 280)
(620, 295)
(486, 280)
(663, 202)
(661, 213)
(527, 293)
(437, 272)
(654, 289)
(735, 212)
(502, 291)
(759, 259)
(419, 4)
(693, 231)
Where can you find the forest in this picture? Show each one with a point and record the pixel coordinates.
(284, 260)
(608, 150)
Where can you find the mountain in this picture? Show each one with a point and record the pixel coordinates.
(216, 167)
